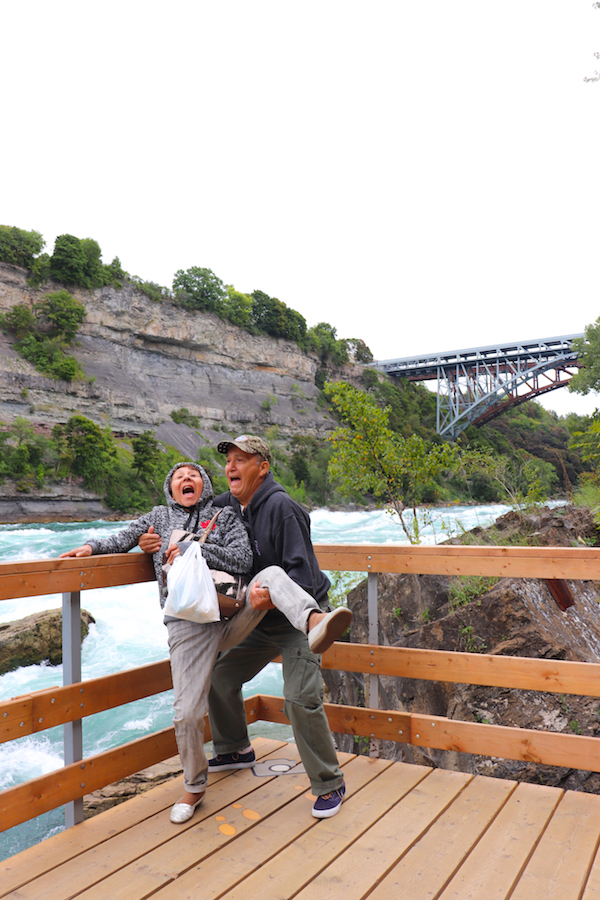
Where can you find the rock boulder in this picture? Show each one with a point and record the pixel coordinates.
(35, 639)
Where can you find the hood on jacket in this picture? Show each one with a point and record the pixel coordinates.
(207, 488)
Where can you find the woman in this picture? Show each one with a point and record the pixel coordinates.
(194, 648)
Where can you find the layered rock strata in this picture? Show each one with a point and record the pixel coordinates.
(144, 359)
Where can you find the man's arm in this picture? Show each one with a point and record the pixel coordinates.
(149, 541)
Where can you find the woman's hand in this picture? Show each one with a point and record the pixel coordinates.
(172, 553)
(84, 550)
(150, 542)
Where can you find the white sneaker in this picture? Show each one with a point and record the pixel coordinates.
(329, 629)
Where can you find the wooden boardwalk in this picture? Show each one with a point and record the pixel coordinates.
(403, 831)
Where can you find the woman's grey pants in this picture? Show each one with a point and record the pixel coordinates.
(194, 649)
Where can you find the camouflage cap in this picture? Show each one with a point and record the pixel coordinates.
(249, 443)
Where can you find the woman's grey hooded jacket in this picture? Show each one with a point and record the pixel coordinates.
(226, 548)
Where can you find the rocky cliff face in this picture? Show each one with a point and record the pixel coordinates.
(516, 617)
(149, 358)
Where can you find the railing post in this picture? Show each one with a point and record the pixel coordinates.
(71, 653)
(373, 680)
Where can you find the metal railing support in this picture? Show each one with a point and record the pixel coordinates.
(72, 731)
(372, 699)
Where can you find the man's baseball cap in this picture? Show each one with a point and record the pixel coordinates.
(249, 443)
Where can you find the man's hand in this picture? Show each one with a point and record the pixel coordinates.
(260, 598)
(150, 542)
(84, 550)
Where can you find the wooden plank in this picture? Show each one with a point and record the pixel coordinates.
(496, 863)
(555, 676)
(592, 887)
(54, 706)
(152, 855)
(289, 849)
(428, 867)
(32, 578)
(570, 750)
(100, 871)
(231, 867)
(27, 715)
(55, 576)
(35, 861)
(579, 563)
(39, 795)
(559, 867)
(354, 873)
(390, 725)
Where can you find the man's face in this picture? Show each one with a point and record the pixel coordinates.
(186, 486)
(245, 473)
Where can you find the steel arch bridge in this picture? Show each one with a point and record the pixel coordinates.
(478, 384)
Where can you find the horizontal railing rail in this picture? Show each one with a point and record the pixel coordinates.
(579, 563)
(50, 576)
(35, 712)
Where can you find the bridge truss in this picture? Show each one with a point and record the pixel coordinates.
(478, 384)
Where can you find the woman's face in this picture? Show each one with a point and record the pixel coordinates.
(186, 486)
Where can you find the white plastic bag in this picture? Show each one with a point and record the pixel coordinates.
(191, 593)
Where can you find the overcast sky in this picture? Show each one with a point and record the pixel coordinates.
(421, 175)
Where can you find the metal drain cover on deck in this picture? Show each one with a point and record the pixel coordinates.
(278, 767)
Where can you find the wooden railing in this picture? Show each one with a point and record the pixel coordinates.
(67, 705)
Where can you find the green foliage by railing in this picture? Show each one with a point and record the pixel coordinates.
(368, 456)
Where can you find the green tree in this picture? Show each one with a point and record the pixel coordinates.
(323, 340)
(587, 379)
(94, 274)
(115, 273)
(68, 262)
(19, 247)
(587, 443)
(40, 270)
(271, 316)
(369, 457)
(198, 288)
(20, 320)
(146, 455)
(90, 449)
(237, 308)
(61, 315)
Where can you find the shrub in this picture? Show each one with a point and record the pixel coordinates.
(19, 247)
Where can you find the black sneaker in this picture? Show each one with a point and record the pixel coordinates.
(329, 804)
(226, 761)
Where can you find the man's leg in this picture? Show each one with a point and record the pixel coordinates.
(303, 705)
(226, 705)
(236, 667)
(303, 700)
(287, 596)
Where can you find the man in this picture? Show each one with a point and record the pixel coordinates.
(193, 647)
(279, 531)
